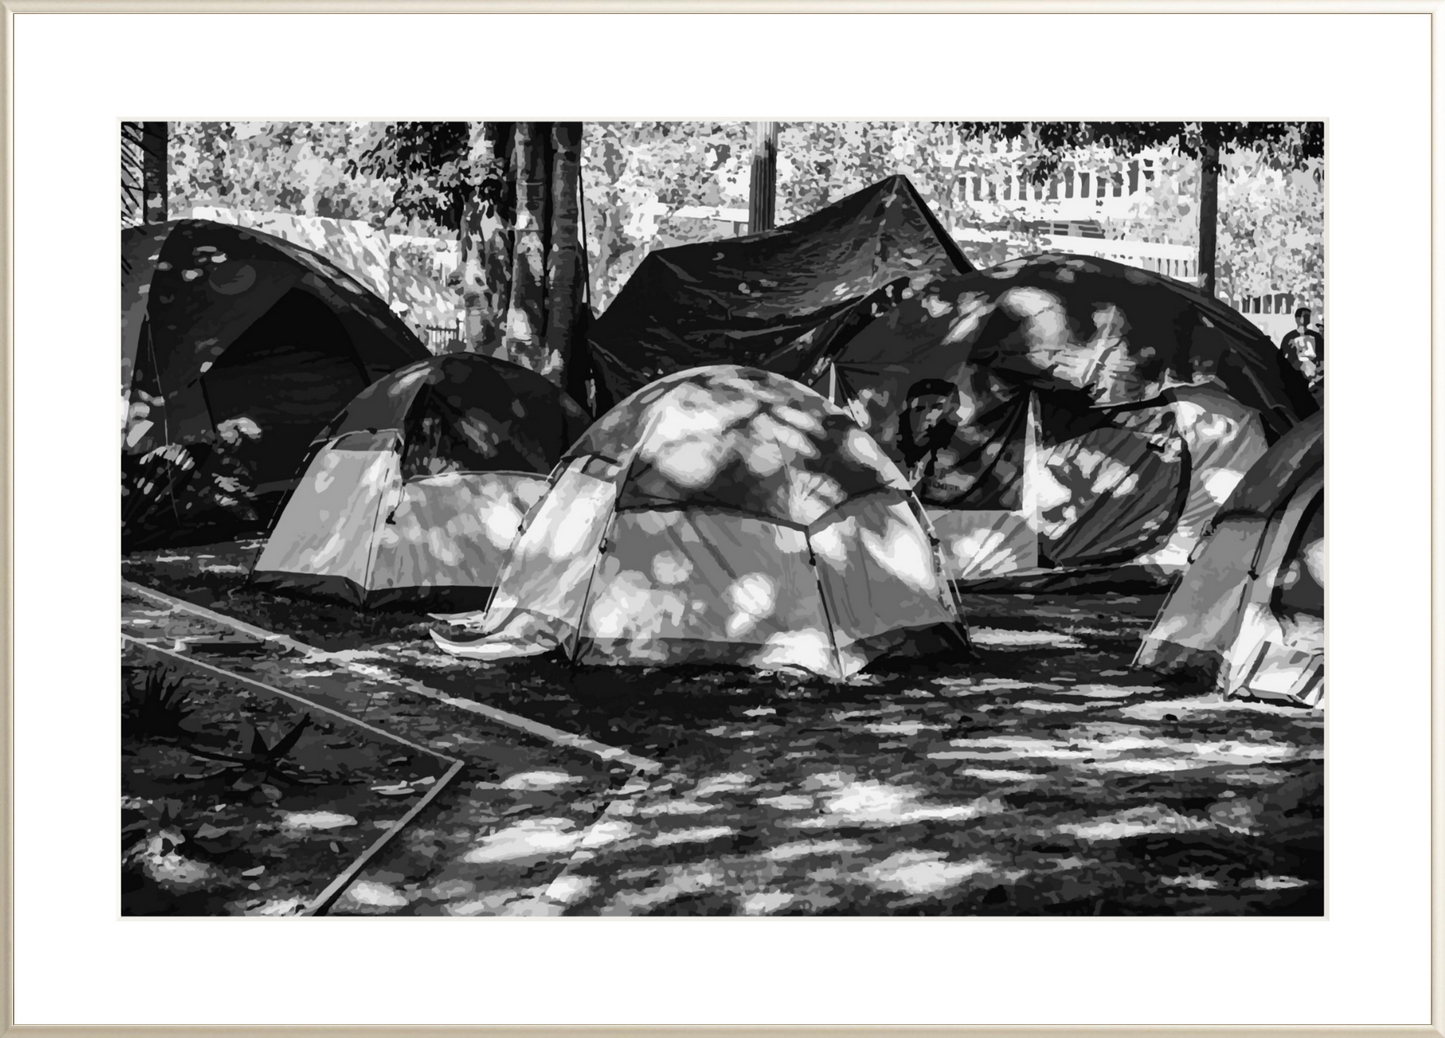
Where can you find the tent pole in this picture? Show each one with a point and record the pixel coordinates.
(165, 419)
(1031, 476)
(827, 613)
(381, 500)
(575, 656)
(620, 488)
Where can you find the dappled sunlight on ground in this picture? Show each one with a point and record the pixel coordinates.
(1047, 778)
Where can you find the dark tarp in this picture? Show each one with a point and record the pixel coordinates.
(774, 299)
(236, 349)
(1102, 334)
(1103, 346)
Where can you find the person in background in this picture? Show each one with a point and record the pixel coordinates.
(1304, 348)
(926, 426)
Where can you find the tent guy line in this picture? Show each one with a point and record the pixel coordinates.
(556, 736)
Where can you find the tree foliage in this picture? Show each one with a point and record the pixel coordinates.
(637, 176)
(647, 185)
(1284, 146)
(508, 190)
(1271, 230)
(436, 170)
(301, 168)
(1049, 144)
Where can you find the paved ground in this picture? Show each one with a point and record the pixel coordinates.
(1047, 778)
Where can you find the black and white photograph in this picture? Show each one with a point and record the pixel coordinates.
(722, 518)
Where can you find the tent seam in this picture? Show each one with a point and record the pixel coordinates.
(575, 655)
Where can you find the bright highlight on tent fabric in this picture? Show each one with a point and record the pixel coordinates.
(654, 547)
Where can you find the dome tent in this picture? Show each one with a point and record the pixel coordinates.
(417, 488)
(1075, 419)
(722, 515)
(236, 349)
(1249, 611)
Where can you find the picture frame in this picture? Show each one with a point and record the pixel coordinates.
(1383, 930)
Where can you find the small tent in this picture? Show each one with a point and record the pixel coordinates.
(417, 488)
(1249, 611)
(236, 349)
(773, 299)
(1065, 418)
(722, 515)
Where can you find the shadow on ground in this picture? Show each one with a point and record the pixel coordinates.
(1047, 778)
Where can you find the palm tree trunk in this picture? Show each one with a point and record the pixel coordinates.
(154, 138)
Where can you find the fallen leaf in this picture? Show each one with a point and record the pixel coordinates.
(399, 790)
(207, 831)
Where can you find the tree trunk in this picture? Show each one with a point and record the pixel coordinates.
(486, 245)
(763, 187)
(1208, 217)
(526, 314)
(154, 137)
(470, 246)
(566, 266)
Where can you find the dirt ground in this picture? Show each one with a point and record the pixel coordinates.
(1046, 778)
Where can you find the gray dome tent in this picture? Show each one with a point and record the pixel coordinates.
(722, 515)
(1249, 612)
(417, 488)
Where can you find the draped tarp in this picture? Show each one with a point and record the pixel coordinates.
(773, 299)
(1150, 405)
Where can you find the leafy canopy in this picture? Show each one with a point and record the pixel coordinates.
(1286, 145)
(437, 170)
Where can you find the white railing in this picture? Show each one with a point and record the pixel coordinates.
(1075, 193)
(1180, 262)
(1176, 261)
